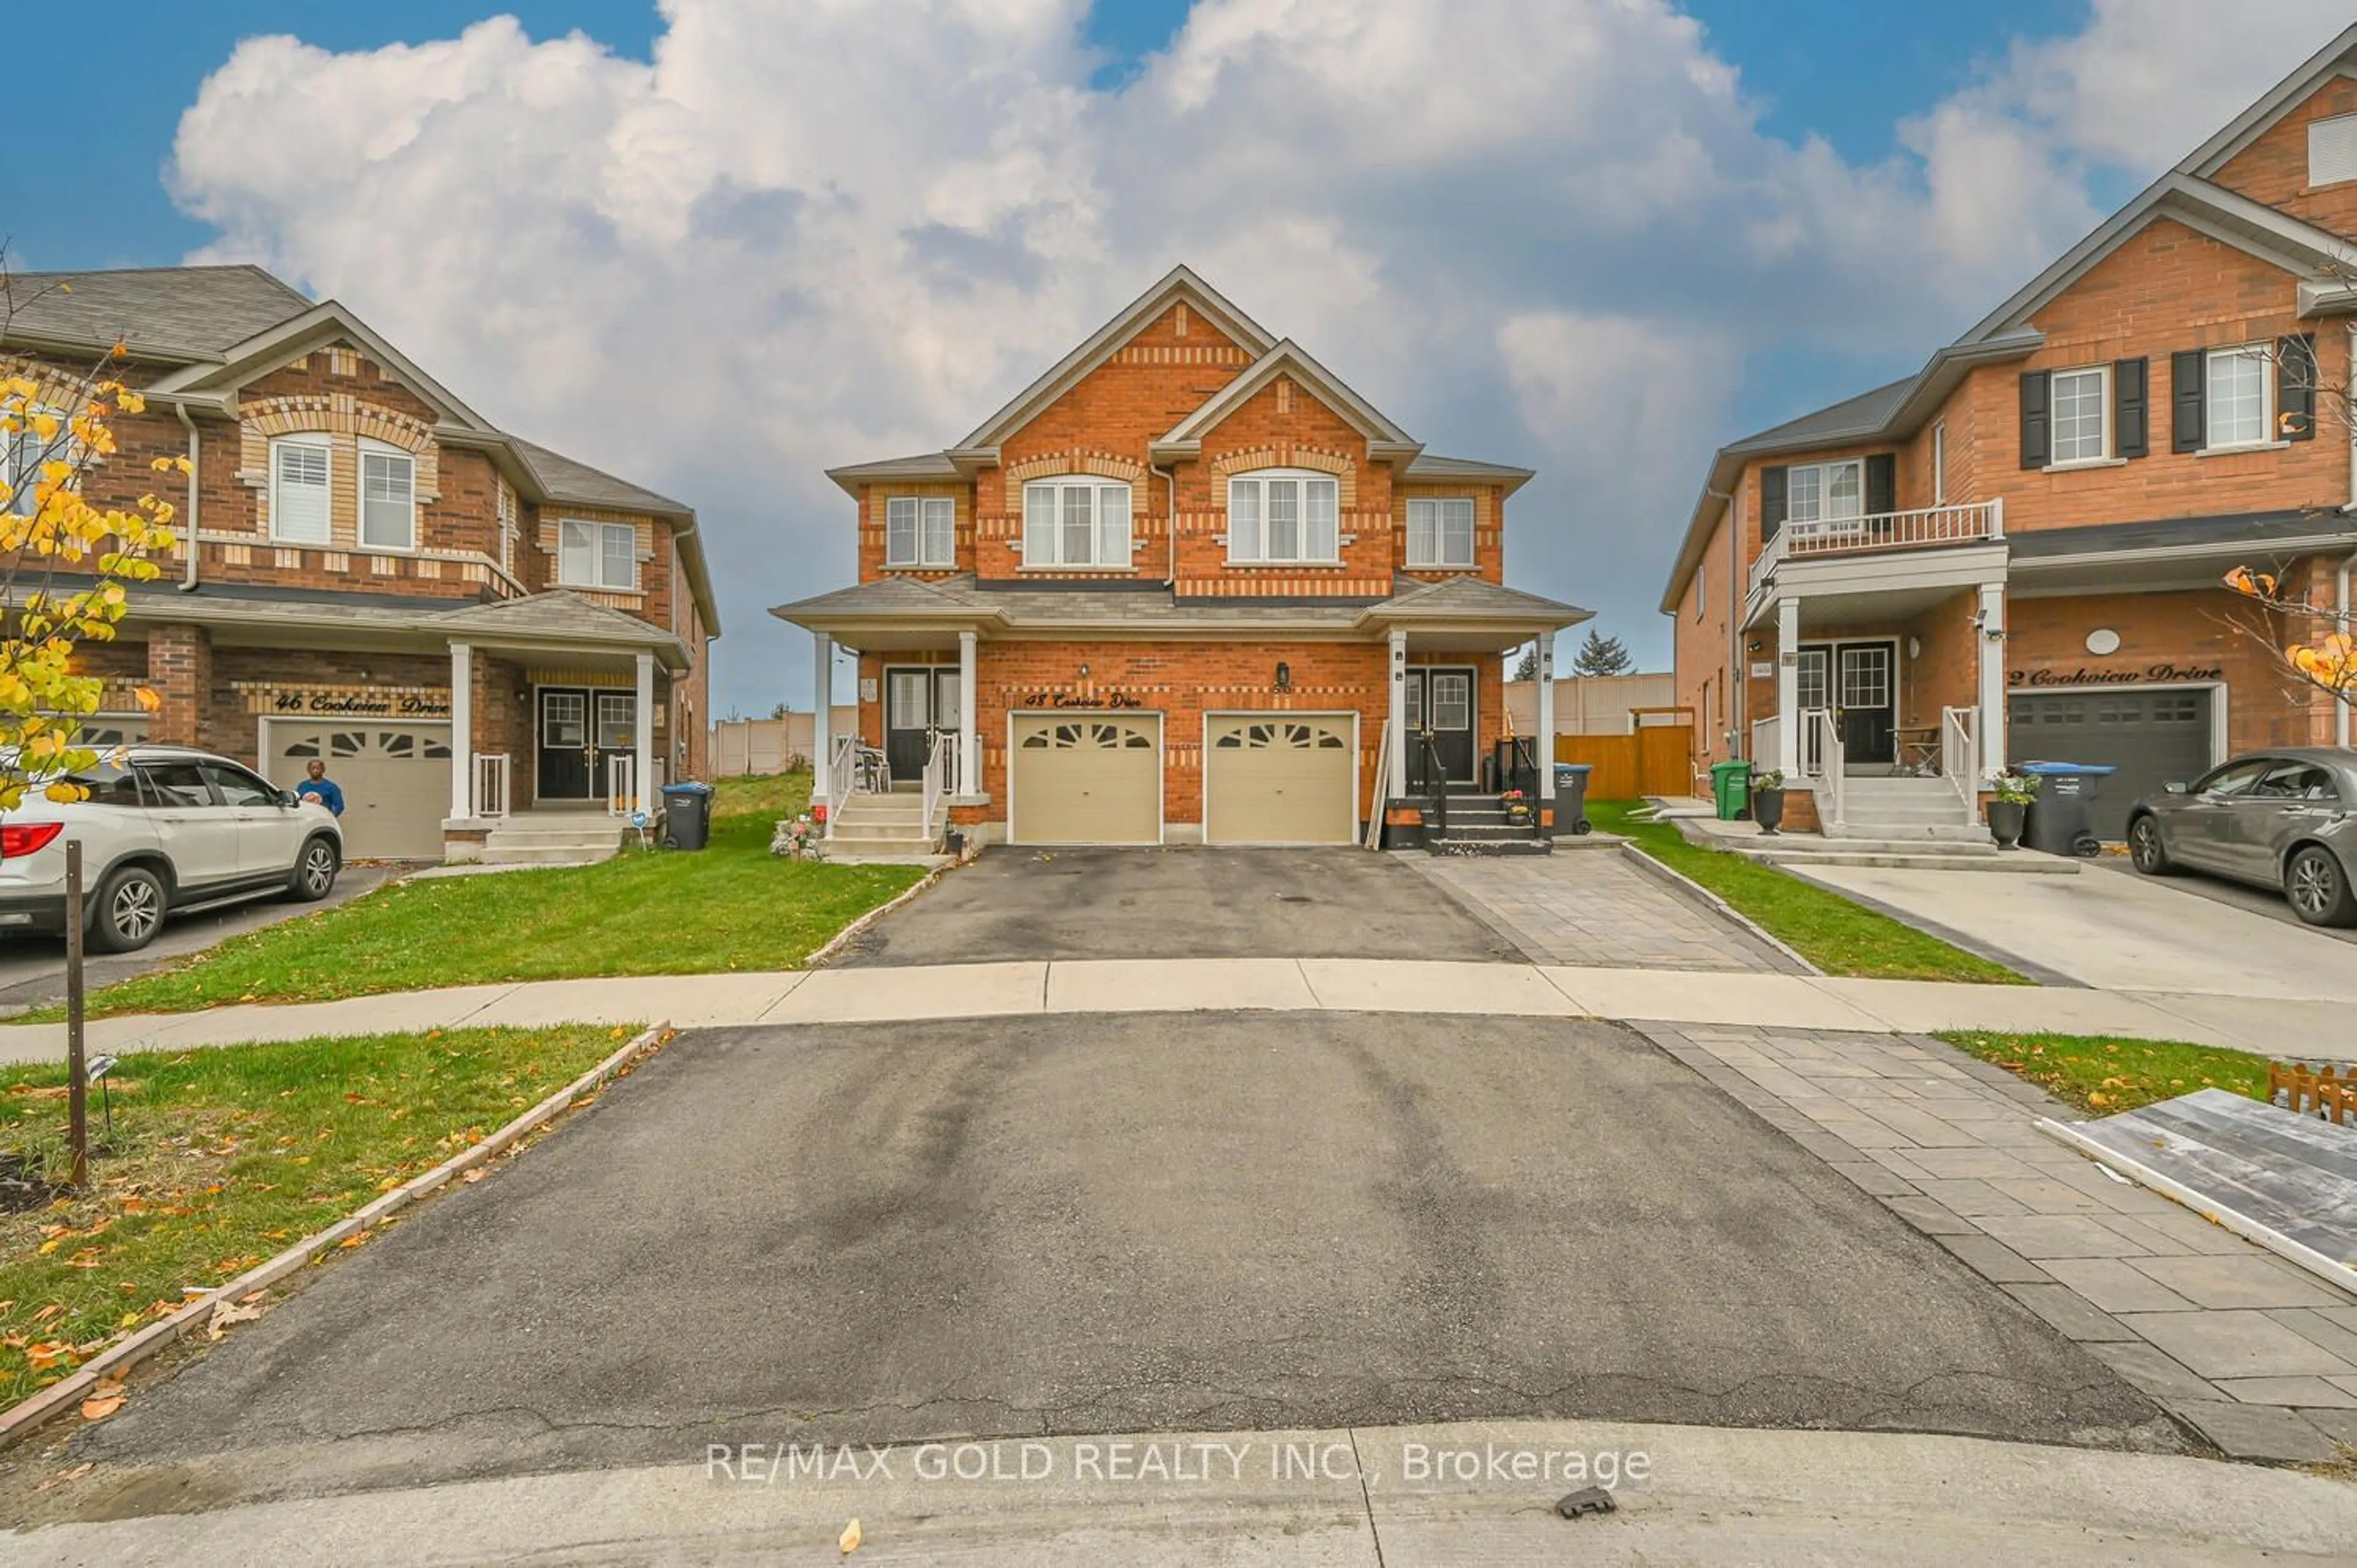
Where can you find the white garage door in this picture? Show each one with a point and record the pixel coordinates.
(1086, 778)
(395, 779)
(1279, 779)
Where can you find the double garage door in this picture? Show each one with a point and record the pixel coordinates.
(1267, 778)
(2151, 737)
(395, 780)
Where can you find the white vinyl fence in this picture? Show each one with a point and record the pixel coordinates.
(771, 746)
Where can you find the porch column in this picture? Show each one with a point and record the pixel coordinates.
(1546, 747)
(1788, 747)
(1397, 765)
(969, 778)
(822, 710)
(1991, 722)
(643, 772)
(462, 730)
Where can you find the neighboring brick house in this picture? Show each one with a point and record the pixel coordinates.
(458, 623)
(2019, 551)
(1181, 588)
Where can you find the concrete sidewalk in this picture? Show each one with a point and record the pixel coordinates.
(1420, 1496)
(1162, 985)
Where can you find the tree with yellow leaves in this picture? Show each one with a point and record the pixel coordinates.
(63, 562)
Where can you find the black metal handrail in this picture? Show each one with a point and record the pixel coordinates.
(1435, 779)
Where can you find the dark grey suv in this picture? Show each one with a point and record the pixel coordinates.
(2280, 820)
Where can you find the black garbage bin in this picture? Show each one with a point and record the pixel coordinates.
(2059, 819)
(1571, 798)
(687, 815)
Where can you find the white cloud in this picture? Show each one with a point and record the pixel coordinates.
(845, 229)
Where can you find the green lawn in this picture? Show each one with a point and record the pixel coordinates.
(221, 1159)
(1837, 936)
(732, 906)
(2103, 1075)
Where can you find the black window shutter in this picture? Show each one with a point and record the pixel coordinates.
(1775, 500)
(2296, 387)
(1881, 484)
(2132, 416)
(2037, 432)
(2185, 372)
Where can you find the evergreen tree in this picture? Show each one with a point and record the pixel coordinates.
(1601, 655)
(1528, 669)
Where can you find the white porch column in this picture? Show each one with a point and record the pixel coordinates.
(1789, 746)
(822, 710)
(642, 773)
(1546, 747)
(462, 730)
(1397, 765)
(969, 778)
(1991, 722)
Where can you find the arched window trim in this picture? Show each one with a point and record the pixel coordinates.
(1284, 516)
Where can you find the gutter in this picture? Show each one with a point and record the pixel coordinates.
(196, 452)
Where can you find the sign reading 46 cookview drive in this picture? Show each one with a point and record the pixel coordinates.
(2147, 675)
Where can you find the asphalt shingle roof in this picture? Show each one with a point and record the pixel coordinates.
(566, 479)
(171, 311)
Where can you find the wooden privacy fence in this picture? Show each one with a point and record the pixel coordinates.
(1656, 760)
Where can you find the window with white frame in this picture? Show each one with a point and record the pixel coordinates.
(2081, 401)
(1940, 463)
(299, 489)
(597, 555)
(1280, 515)
(24, 452)
(1076, 520)
(1440, 530)
(2332, 149)
(388, 497)
(920, 531)
(2235, 397)
(1824, 492)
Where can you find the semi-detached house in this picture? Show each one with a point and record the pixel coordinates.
(2018, 551)
(463, 626)
(1185, 587)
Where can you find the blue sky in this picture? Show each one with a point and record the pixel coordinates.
(1594, 257)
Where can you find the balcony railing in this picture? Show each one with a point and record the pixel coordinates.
(1924, 528)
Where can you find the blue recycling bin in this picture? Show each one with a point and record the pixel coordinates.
(2060, 822)
(1571, 798)
(687, 815)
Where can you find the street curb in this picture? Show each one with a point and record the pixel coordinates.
(20, 1419)
(844, 938)
(1679, 881)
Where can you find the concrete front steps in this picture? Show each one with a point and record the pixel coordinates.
(884, 827)
(1803, 849)
(1874, 808)
(554, 839)
(1478, 824)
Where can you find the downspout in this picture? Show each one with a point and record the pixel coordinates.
(1738, 689)
(196, 449)
(1170, 526)
(2340, 600)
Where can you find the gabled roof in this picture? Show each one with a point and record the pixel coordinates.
(1385, 439)
(163, 313)
(322, 323)
(559, 615)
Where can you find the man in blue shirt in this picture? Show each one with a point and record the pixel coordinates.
(319, 786)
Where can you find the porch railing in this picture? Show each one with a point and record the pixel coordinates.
(941, 773)
(1973, 523)
(491, 773)
(1767, 743)
(621, 784)
(1958, 751)
(1436, 779)
(1821, 757)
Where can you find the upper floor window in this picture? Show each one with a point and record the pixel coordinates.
(1077, 520)
(299, 489)
(597, 555)
(920, 531)
(2332, 150)
(2080, 427)
(1825, 493)
(388, 497)
(1283, 515)
(2235, 395)
(1940, 463)
(1440, 530)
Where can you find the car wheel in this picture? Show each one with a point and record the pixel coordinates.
(131, 908)
(2319, 888)
(315, 872)
(2144, 848)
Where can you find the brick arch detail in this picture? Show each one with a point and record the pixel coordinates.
(1049, 465)
(1285, 455)
(346, 421)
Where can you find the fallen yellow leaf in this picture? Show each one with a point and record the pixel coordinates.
(848, 1542)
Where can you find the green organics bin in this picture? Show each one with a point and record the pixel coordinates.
(1730, 788)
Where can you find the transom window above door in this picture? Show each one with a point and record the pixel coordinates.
(1076, 520)
(920, 531)
(1825, 493)
(1440, 530)
(597, 555)
(1283, 515)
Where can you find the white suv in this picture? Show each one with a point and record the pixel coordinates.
(165, 831)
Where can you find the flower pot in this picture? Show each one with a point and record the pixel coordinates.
(2005, 818)
(1767, 808)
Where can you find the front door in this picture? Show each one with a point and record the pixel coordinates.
(564, 768)
(1440, 702)
(920, 702)
(1864, 681)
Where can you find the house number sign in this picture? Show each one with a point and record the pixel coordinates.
(1075, 700)
(361, 704)
(2150, 674)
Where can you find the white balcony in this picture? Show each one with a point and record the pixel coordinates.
(1931, 547)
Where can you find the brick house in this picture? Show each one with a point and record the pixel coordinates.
(461, 625)
(1185, 587)
(2018, 551)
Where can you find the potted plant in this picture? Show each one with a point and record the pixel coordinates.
(2013, 793)
(1518, 807)
(1767, 801)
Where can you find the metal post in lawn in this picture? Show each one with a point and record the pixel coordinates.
(77, 1089)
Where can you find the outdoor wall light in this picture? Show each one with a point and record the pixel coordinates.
(1084, 671)
(1284, 676)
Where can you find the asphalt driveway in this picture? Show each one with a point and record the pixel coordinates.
(1015, 904)
(1078, 1224)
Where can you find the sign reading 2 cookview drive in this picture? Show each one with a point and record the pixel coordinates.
(1075, 700)
(2150, 675)
(350, 702)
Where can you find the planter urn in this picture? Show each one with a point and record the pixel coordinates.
(1767, 808)
(2005, 818)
